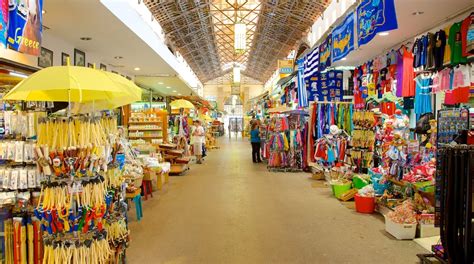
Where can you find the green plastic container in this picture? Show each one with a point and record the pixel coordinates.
(340, 189)
(359, 183)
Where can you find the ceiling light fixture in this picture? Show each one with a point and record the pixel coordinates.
(118, 57)
(168, 87)
(417, 13)
(160, 83)
(236, 74)
(86, 38)
(136, 68)
(343, 59)
(383, 34)
(179, 94)
(174, 91)
(17, 74)
(43, 11)
(240, 37)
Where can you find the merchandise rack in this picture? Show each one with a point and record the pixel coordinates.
(147, 127)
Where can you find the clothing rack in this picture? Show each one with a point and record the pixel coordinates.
(454, 206)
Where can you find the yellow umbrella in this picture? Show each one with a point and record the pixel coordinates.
(205, 118)
(181, 103)
(75, 84)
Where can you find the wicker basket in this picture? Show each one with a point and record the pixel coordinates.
(319, 175)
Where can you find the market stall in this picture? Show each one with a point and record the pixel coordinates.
(76, 187)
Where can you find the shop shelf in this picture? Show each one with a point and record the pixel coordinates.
(145, 129)
(145, 136)
(144, 122)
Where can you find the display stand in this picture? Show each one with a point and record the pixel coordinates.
(148, 127)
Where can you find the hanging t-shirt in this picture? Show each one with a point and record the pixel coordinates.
(392, 58)
(439, 48)
(462, 76)
(444, 79)
(447, 50)
(423, 51)
(417, 47)
(455, 42)
(430, 64)
(467, 35)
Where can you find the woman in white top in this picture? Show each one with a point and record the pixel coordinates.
(198, 140)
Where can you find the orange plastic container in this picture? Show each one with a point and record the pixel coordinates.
(365, 205)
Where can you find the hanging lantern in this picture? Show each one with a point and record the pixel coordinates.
(240, 37)
(236, 74)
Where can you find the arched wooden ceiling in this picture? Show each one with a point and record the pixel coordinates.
(202, 31)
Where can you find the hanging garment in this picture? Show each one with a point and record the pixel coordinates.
(461, 85)
(455, 42)
(430, 62)
(439, 48)
(423, 95)
(467, 35)
(388, 108)
(408, 83)
(400, 76)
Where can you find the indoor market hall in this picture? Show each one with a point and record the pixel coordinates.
(236, 131)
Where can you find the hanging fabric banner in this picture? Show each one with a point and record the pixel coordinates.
(325, 53)
(312, 87)
(330, 86)
(302, 93)
(25, 26)
(343, 38)
(311, 63)
(374, 16)
(3, 23)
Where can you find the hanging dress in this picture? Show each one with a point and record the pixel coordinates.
(408, 83)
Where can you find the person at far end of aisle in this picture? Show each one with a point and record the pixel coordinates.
(198, 139)
(255, 141)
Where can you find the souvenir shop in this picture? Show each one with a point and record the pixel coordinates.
(71, 179)
(382, 132)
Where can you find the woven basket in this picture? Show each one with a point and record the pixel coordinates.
(318, 175)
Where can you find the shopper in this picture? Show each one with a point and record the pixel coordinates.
(198, 140)
(255, 140)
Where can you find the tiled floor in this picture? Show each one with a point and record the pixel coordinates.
(230, 210)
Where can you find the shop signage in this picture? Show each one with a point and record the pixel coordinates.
(343, 38)
(325, 53)
(25, 25)
(374, 16)
(285, 67)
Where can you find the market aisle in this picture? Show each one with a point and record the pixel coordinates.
(230, 210)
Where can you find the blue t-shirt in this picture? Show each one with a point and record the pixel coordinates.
(254, 136)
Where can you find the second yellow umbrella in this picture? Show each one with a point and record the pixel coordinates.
(181, 103)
